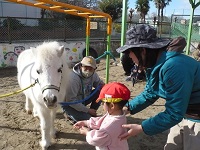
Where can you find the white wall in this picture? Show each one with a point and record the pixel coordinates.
(18, 10)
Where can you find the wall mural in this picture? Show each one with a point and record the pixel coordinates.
(74, 51)
(10, 52)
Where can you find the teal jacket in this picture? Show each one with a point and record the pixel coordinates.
(175, 78)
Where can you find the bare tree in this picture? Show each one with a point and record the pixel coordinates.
(160, 5)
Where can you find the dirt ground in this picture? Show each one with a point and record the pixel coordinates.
(20, 131)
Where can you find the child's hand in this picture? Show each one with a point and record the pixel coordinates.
(84, 130)
(79, 124)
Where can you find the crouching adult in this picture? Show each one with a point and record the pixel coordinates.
(84, 85)
(171, 75)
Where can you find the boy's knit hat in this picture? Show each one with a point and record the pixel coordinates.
(114, 92)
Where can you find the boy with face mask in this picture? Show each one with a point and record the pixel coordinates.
(83, 79)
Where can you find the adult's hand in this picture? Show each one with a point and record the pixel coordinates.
(92, 112)
(134, 129)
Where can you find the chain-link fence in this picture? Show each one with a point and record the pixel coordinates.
(163, 30)
(34, 29)
(180, 27)
(37, 29)
(174, 29)
(182, 30)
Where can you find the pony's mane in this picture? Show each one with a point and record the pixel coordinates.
(48, 50)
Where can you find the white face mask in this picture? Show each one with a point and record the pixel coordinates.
(87, 73)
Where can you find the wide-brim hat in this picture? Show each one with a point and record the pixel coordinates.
(89, 61)
(143, 35)
(114, 92)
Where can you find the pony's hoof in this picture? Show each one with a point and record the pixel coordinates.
(35, 115)
(29, 112)
(54, 134)
(45, 145)
(44, 148)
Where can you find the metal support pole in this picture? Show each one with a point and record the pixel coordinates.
(194, 6)
(87, 42)
(124, 23)
(109, 30)
(190, 30)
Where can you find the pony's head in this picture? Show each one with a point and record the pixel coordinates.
(49, 60)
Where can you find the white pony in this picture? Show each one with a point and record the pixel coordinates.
(46, 65)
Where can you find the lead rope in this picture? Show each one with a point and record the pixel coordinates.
(16, 92)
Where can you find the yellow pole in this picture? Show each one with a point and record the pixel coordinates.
(87, 36)
(109, 29)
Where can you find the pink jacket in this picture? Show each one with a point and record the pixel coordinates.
(105, 132)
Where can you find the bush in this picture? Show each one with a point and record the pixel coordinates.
(117, 27)
(12, 23)
(46, 24)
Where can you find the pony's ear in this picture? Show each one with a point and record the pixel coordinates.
(60, 51)
(33, 49)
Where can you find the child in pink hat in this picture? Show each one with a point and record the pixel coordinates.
(103, 132)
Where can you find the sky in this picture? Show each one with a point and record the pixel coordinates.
(178, 7)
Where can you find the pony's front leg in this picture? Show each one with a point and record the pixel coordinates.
(45, 124)
(53, 130)
(35, 114)
(28, 105)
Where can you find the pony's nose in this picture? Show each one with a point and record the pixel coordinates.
(50, 99)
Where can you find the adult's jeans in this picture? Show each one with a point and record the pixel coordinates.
(79, 115)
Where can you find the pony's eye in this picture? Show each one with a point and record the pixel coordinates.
(60, 70)
(38, 72)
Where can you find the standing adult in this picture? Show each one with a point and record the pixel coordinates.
(127, 64)
(196, 53)
(171, 75)
(84, 84)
